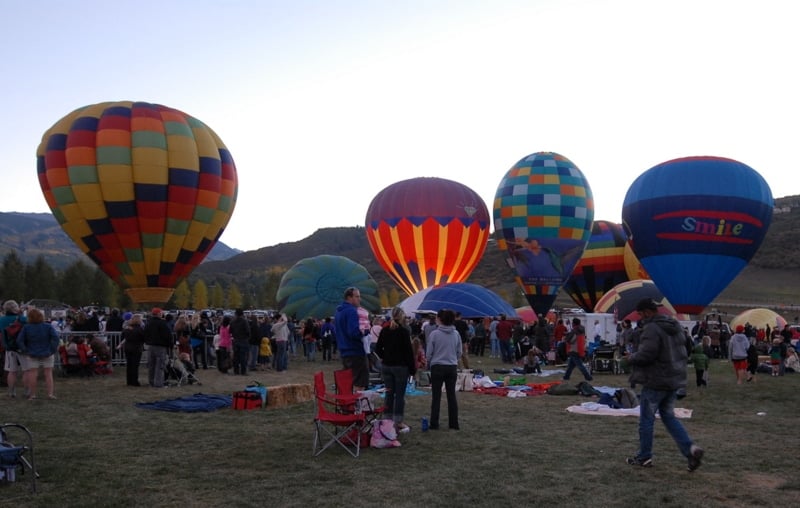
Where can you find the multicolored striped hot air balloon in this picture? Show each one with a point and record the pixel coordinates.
(543, 213)
(695, 223)
(143, 189)
(601, 267)
(427, 231)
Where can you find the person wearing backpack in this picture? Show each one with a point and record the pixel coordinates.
(10, 324)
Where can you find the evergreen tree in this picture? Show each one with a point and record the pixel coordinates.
(274, 276)
(40, 280)
(100, 288)
(12, 278)
(74, 285)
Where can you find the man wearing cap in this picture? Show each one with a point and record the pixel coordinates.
(659, 365)
(158, 339)
(738, 349)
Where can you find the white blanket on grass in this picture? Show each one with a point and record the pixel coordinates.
(593, 408)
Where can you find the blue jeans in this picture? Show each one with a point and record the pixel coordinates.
(505, 351)
(663, 401)
(253, 357)
(156, 363)
(575, 361)
(395, 378)
(281, 356)
(495, 345)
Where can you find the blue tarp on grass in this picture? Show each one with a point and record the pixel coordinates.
(196, 403)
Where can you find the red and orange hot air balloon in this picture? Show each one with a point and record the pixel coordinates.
(143, 189)
(427, 231)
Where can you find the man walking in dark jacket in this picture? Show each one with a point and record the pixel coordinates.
(158, 339)
(659, 365)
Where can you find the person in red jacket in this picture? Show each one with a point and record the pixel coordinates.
(505, 329)
(576, 350)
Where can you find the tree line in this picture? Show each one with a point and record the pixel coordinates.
(80, 285)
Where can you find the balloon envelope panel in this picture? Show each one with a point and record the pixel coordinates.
(427, 231)
(633, 268)
(315, 286)
(601, 267)
(694, 223)
(621, 300)
(471, 300)
(143, 189)
(543, 212)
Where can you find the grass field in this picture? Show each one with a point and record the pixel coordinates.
(93, 447)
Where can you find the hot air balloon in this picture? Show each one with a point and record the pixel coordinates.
(427, 231)
(633, 268)
(759, 318)
(601, 267)
(543, 213)
(471, 300)
(144, 190)
(315, 286)
(621, 300)
(695, 223)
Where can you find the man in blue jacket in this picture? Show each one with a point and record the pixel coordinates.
(349, 338)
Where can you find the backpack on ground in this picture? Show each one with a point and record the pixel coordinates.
(587, 390)
(12, 332)
(626, 398)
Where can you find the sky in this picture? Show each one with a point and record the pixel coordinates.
(324, 103)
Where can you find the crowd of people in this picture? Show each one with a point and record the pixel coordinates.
(400, 348)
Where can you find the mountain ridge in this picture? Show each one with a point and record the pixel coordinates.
(773, 275)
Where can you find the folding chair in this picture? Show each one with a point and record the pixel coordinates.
(14, 458)
(344, 387)
(331, 424)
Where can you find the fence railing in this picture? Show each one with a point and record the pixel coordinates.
(113, 340)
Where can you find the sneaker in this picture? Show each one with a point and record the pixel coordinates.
(636, 461)
(695, 457)
(403, 429)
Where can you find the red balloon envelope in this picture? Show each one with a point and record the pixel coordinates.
(427, 231)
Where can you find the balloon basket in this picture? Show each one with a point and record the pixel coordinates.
(150, 295)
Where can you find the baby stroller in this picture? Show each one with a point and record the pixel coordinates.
(180, 370)
(605, 358)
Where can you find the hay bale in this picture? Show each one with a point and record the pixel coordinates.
(285, 395)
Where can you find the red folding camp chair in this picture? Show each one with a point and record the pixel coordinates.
(332, 421)
(344, 387)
